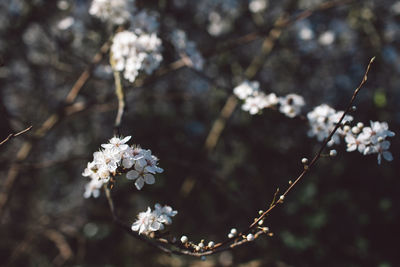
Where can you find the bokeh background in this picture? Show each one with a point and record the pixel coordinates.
(344, 213)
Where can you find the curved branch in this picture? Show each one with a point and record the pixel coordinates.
(174, 247)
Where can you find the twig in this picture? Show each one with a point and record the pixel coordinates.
(119, 91)
(12, 135)
(168, 246)
(73, 93)
(46, 126)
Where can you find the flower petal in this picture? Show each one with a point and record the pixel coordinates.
(139, 183)
(132, 175)
(149, 178)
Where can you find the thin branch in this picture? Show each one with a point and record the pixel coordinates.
(12, 135)
(170, 246)
(323, 146)
(46, 126)
(119, 91)
(84, 77)
(174, 247)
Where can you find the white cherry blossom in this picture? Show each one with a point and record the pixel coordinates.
(291, 105)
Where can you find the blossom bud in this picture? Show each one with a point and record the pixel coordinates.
(333, 153)
(233, 231)
(260, 222)
(260, 212)
(230, 235)
(282, 197)
(211, 244)
(250, 237)
(360, 125)
(355, 130)
(184, 239)
(304, 160)
(346, 128)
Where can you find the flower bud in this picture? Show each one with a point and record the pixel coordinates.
(250, 237)
(184, 239)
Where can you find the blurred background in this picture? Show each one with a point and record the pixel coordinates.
(344, 213)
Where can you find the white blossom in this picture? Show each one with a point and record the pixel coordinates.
(250, 237)
(112, 11)
(355, 142)
(164, 213)
(257, 6)
(147, 223)
(246, 89)
(253, 105)
(371, 140)
(141, 176)
(291, 105)
(327, 38)
(151, 221)
(131, 155)
(144, 168)
(132, 53)
(117, 143)
(93, 188)
(117, 157)
(322, 120)
(382, 149)
(378, 130)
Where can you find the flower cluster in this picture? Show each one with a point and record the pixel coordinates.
(136, 49)
(367, 140)
(255, 100)
(322, 120)
(112, 11)
(187, 48)
(133, 53)
(151, 221)
(370, 140)
(117, 157)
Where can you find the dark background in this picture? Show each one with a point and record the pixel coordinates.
(344, 213)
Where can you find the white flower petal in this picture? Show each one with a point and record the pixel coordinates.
(149, 178)
(387, 155)
(132, 175)
(139, 183)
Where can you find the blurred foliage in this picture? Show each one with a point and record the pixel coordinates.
(344, 213)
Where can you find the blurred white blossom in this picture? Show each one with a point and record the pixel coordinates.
(133, 53)
(113, 11)
(291, 105)
(257, 6)
(246, 89)
(327, 38)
